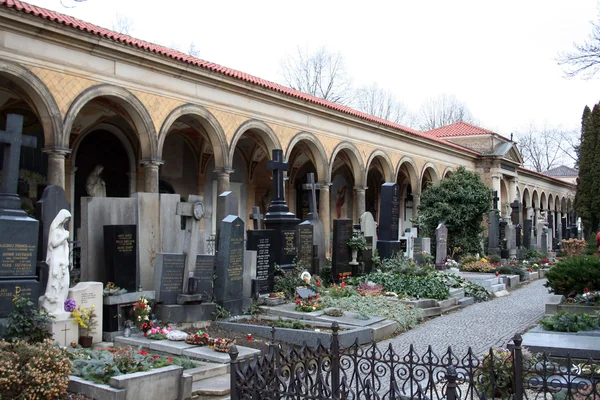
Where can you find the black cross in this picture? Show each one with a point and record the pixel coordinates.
(13, 139)
(277, 165)
(496, 198)
(256, 216)
(312, 198)
(65, 331)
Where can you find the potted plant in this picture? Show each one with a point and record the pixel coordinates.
(86, 319)
(357, 242)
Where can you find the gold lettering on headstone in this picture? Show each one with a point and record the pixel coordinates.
(16, 258)
(124, 242)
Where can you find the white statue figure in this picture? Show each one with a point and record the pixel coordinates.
(57, 258)
(95, 186)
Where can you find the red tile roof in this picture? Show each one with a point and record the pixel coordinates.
(459, 129)
(185, 58)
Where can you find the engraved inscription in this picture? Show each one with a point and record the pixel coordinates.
(16, 259)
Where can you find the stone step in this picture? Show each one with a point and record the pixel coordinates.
(212, 388)
(497, 287)
(466, 301)
(457, 293)
(448, 303)
(208, 370)
(431, 311)
(450, 309)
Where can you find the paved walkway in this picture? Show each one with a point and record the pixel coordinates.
(481, 325)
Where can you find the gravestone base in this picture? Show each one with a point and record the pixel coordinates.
(65, 331)
(193, 299)
(185, 313)
(235, 307)
(388, 248)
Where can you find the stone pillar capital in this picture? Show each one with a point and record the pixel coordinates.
(223, 171)
(324, 185)
(360, 188)
(55, 152)
(151, 163)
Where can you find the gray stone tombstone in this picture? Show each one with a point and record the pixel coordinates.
(422, 246)
(203, 276)
(313, 219)
(511, 240)
(192, 212)
(249, 274)
(229, 282)
(527, 233)
(493, 233)
(544, 241)
(304, 245)
(227, 204)
(168, 276)
(441, 245)
(369, 229)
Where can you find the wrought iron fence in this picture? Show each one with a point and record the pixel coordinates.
(368, 372)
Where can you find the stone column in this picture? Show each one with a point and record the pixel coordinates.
(324, 208)
(151, 175)
(223, 179)
(512, 189)
(361, 203)
(56, 166)
(416, 203)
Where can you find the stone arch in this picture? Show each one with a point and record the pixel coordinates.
(126, 145)
(563, 204)
(270, 139)
(412, 169)
(42, 101)
(137, 112)
(543, 201)
(550, 202)
(388, 169)
(317, 150)
(557, 203)
(358, 168)
(215, 132)
(448, 171)
(535, 199)
(526, 197)
(435, 175)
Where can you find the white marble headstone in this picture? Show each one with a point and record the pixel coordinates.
(368, 225)
(87, 294)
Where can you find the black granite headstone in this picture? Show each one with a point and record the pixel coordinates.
(564, 228)
(21, 288)
(229, 283)
(120, 256)
(389, 212)
(204, 275)
(516, 212)
(340, 258)
(18, 248)
(527, 231)
(304, 244)
(518, 233)
(168, 276)
(367, 255)
(262, 241)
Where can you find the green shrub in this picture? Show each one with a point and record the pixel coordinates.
(573, 275)
(533, 255)
(469, 258)
(405, 317)
(426, 286)
(288, 281)
(287, 323)
(511, 270)
(494, 258)
(33, 371)
(570, 322)
(477, 292)
(27, 322)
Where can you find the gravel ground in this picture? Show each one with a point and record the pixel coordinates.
(481, 325)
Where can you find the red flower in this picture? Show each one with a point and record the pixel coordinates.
(145, 333)
(319, 283)
(298, 301)
(143, 352)
(170, 359)
(155, 357)
(343, 285)
(587, 290)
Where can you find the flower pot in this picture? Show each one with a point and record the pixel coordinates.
(354, 255)
(85, 341)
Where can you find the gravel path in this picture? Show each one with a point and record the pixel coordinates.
(481, 325)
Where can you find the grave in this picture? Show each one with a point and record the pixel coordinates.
(168, 276)
(494, 228)
(191, 212)
(387, 240)
(421, 247)
(527, 231)
(201, 281)
(304, 245)
(441, 245)
(88, 294)
(340, 258)
(120, 256)
(262, 241)
(230, 263)
(117, 309)
(18, 232)
(250, 282)
(279, 217)
(227, 204)
(315, 221)
(369, 229)
(46, 209)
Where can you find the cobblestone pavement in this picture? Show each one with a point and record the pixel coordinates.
(481, 325)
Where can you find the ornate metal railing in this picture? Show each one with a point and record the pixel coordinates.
(371, 373)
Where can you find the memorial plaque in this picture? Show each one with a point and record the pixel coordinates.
(120, 256)
(389, 212)
(288, 242)
(18, 248)
(229, 283)
(304, 244)
(204, 274)
(341, 257)
(262, 241)
(22, 288)
(168, 276)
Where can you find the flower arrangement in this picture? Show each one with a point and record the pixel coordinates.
(142, 309)
(450, 263)
(370, 289)
(340, 291)
(157, 333)
(199, 338)
(112, 290)
(309, 304)
(70, 305)
(223, 345)
(357, 242)
(588, 298)
(86, 319)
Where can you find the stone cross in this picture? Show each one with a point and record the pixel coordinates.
(65, 331)
(496, 198)
(277, 165)
(193, 211)
(256, 217)
(13, 139)
(312, 199)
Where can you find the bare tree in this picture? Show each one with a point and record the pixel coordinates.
(382, 103)
(585, 59)
(547, 147)
(321, 74)
(122, 24)
(62, 2)
(193, 50)
(443, 110)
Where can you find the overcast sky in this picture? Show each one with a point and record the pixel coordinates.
(498, 57)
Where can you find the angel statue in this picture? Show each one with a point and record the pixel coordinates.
(94, 185)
